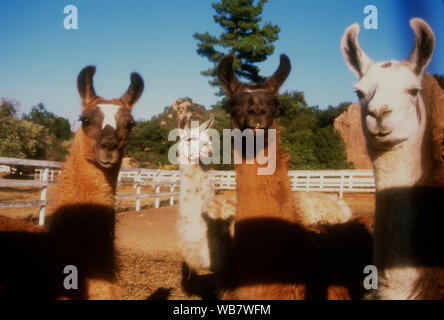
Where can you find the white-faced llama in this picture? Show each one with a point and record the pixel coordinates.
(404, 144)
(275, 256)
(82, 220)
(204, 221)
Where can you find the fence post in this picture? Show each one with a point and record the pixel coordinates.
(341, 186)
(44, 177)
(138, 187)
(172, 196)
(157, 204)
(158, 180)
(350, 182)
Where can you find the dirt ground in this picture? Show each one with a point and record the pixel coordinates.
(151, 266)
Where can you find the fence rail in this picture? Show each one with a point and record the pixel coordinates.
(46, 173)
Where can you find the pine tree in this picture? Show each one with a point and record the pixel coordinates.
(243, 36)
(440, 79)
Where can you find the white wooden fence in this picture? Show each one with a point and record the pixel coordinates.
(47, 172)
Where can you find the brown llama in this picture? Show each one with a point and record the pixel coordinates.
(82, 220)
(275, 256)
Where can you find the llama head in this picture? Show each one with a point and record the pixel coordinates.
(252, 106)
(389, 91)
(106, 124)
(195, 141)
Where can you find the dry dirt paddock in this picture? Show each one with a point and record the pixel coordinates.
(150, 264)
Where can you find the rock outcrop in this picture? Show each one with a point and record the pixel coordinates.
(433, 96)
(181, 106)
(349, 127)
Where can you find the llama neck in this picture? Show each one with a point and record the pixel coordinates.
(399, 174)
(267, 195)
(195, 187)
(83, 182)
(399, 168)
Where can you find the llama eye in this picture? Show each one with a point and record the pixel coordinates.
(130, 124)
(360, 94)
(413, 92)
(85, 121)
(276, 103)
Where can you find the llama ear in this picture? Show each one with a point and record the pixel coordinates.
(355, 58)
(85, 85)
(132, 95)
(275, 82)
(205, 217)
(225, 74)
(183, 120)
(207, 124)
(422, 50)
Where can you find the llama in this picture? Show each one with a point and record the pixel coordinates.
(320, 208)
(81, 226)
(204, 221)
(274, 255)
(404, 145)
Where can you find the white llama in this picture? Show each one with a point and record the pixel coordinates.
(204, 223)
(409, 191)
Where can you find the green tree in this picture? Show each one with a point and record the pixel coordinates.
(330, 149)
(148, 144)
(58, 131)
(242, 36)
(308, 134)
(440, 79)
(327, 116)
(20, 138)
(221, 122)
(290, 105)
(7, 108)
(56, 125)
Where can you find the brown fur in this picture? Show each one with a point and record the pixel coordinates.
(274, 255)
(428, 257)
(82, 220)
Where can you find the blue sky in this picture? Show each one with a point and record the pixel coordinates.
(40, 60)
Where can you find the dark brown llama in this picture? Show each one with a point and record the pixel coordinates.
(275, 256)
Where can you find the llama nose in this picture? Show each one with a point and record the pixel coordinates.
(256, 109)
(379, 112)
(109, 144)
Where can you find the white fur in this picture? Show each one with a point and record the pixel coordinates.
(396, 284)
(394, 123)
(109, 112)
(386, 91)
(196, 197)
(316, 207)
(193, 146)
(253, 90)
